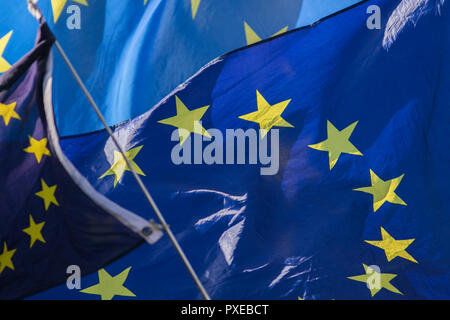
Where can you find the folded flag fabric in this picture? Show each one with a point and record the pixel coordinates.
(339, 191)
(50, 216)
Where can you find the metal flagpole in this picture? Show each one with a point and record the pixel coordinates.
(35, 11)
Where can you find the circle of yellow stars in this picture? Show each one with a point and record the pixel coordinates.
(108, 286)
(382, 191)
(34, 229)
(267, 116)
(38, 148)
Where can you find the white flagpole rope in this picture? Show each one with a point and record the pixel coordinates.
(35, 9)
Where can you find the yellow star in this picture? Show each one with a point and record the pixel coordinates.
(108, 286)
(7, 112)
(337, 143)
(145, 2)
(4, 65)
(268, 116)
(34, 231)
(58, 6)
(187, 121)
(38, 147)
(252, 37)
(120, 166)
(383, 191)
(6, 258)
(194, 6)
(376, 280)
(47, 194)
(393, 248)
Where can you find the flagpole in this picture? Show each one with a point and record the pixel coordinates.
(35, 11)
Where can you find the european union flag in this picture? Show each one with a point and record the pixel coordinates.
(313, 165)
(16, 40)
(51, 219)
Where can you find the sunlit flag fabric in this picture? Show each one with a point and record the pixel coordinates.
(17, 32)
(132, 53)
(358, 208)
(313, 10)
(50, 217)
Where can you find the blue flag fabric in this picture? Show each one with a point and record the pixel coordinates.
(50, 217)
(17, 32)
(357, 209)
(133, 53)
(314, 10)
(358, 206)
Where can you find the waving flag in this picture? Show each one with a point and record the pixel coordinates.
(133, 53)
(50, 217)
(339, 190)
